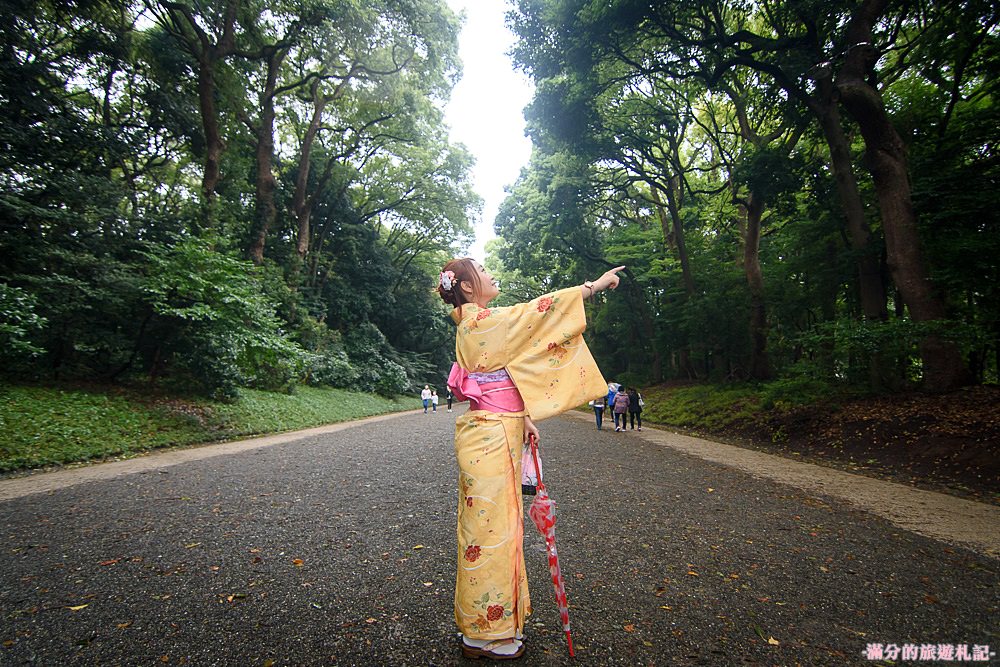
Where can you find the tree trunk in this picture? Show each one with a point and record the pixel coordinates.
(208, 56)
(300, 199)
(871, 291)
(673, 234)
(210, 126)
(943, 367)
(266, 210)
(760, 366)
(673, 208)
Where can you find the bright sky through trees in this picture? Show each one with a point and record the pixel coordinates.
(485, 111)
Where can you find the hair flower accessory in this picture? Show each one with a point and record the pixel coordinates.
(447, 280)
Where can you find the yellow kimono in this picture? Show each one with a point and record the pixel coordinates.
(540, 344)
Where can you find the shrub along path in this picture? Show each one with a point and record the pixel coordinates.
(339, 547)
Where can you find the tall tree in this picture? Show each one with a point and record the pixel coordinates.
(209, 34)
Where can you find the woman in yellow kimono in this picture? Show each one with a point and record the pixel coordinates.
(516, 365)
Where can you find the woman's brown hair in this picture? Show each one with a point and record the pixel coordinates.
(465, 269)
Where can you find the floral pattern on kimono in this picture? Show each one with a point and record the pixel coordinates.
(541, 345)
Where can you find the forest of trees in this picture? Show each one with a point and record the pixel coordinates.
(800, 189)
(216, 194)
(209, 195)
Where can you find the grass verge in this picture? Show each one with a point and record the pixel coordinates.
(41, 426)
(716, 408)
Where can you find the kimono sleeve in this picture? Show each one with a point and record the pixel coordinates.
(551, 318)
(547, 356)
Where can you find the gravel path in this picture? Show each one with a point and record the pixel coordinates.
(338, 548)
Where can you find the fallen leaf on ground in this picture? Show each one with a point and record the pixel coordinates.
(78, 607)
(298, 562)
(629, 627)
(772, 641)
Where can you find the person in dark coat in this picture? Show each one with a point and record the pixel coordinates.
(634, 409)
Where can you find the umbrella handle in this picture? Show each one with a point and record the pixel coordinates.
(533, 442)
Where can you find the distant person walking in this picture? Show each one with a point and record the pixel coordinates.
(598, 405)
(450, 396)
(434, 399)
(425, 396)
(635, 404)
(620, 408)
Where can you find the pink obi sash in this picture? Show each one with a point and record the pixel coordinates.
(493, 391)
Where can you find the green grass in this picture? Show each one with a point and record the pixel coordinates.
(42, 426)
(705, 407)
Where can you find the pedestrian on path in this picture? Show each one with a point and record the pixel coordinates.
(598, 405)
(449, 397)
(620, 407)
(508, 385)
(434, 399)
(425, 396)
(635, 404)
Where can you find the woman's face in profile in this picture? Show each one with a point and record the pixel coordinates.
(488, 288)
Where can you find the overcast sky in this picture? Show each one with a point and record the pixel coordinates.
(486, 108)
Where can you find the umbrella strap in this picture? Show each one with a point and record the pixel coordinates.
(533, 442)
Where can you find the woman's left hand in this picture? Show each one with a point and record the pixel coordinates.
(530, 429)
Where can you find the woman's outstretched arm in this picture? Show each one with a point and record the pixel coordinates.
(609, 280)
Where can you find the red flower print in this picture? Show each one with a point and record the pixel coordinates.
(472, 553)
(468, 501)
(544, 304)
(557, 349)
(494, 612)
(483, 314)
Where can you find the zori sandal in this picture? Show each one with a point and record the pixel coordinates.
(489, 650)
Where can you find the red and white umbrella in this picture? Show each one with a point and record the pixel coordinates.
(543, 514)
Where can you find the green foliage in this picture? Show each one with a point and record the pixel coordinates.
(327, 362)
(52, 426)
(132, 258)
(220, 326)
(850, 341)
(663, 130)
(17, 320)
(371, 355)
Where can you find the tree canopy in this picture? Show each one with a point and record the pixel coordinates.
(217, 195)
(798, 189)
